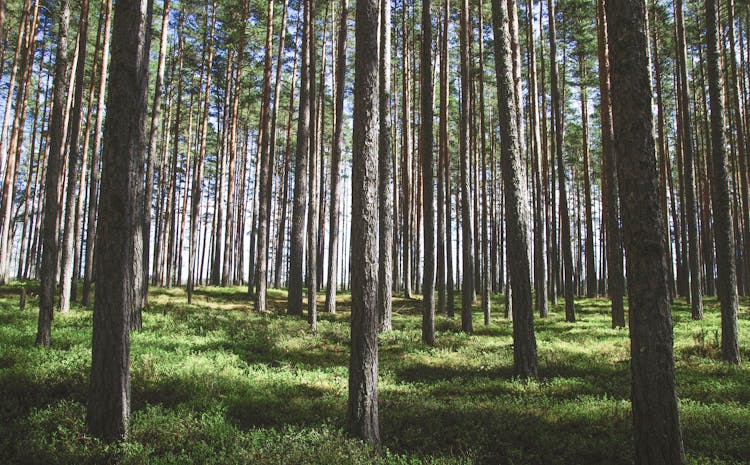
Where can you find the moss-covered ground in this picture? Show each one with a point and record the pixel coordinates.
(217, 383)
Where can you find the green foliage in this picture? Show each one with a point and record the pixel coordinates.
(216, 383)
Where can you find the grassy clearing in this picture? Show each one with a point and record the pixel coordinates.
(217, 383)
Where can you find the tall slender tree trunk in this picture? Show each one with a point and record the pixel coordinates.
(591, 281)
(540, 262)
(691, 208)
(656, 423)
(467, 289)
(299, 210)
(725, 245)
(197, 186)
(516, 199)
(88, 276)
(557, 113)
(426, 93)
(312, 200)
(266, 170)
(615, 275)
(69, 232)
(120, 225)
(52, 205)
(385, 173)
(362, 411)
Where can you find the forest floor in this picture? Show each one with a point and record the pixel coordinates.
(216, 383)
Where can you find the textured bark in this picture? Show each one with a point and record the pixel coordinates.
(337, 149)
(656, 423)
(426, 136)
(363, 363)
(72, 196)
(557, 113)
(266, 170)
(152, 147)
(725, 245)
(446, 163)
(273, 144)
(485, 275)
(540, 262)
(7, 162)
(516, 199)
(467, 270)
(120, 227)
(51, 240)
(688, 165)
(615, 275)
(287, 162)
(385, 173)
(88, 275)
(406, 159)
(312, 200)
(299, 207)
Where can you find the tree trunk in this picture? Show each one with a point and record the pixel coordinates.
(615, 277)
(691, 208)
(52, 206)
(363, 363)
(467, 289)
(299, 210)
(557, 112)
(725, 245)
(69, 232)
(540, 263)
(656, 422)
(120, 225)
(266, 170)
(93, 208)
(426, 93)
(516, 199)
(385, 169)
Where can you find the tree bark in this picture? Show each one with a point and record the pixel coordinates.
(385, 173)
(51, 240)
(615, 276)
(557, 113)
(120, 227)
(516, 199)
(656, 422)
(426, 91)
(725, 245)
(363, 363)
(88, 276)
(691, 208)
(467, 295)
(299, 209)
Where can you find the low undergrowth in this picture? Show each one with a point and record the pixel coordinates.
(216, 383)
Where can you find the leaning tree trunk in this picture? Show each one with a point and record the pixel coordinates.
(51, 241)
(363, 363)
(656, 422)
(516, 199)
(120, 228)
(725, 245)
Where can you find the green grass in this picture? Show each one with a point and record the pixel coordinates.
(215, 382)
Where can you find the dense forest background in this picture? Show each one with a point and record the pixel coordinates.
(578, 165)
